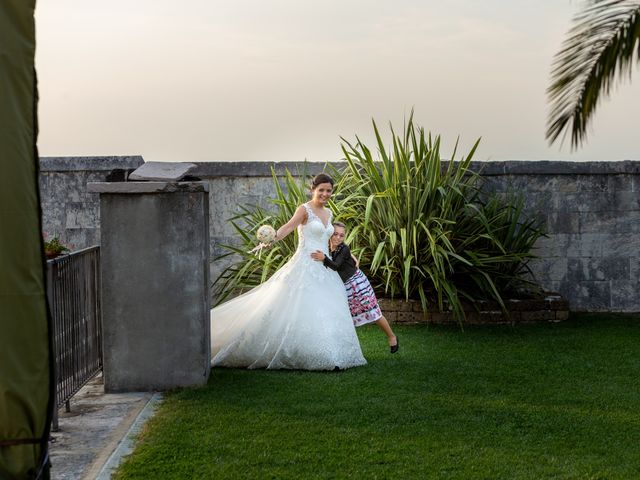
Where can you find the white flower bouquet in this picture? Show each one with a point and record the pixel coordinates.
(266, 234)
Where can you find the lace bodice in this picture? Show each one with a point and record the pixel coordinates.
(314, 235)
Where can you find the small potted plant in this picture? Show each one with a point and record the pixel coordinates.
(54, 248)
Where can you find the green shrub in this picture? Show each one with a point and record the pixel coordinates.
(54, 248)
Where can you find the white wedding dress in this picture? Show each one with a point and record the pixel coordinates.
(298, 319)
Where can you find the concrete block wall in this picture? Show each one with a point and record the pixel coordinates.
(592, 212)
(155, 284)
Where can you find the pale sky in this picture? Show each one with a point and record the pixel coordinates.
(212, 80)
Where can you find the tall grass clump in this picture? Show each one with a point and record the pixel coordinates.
(424, 228)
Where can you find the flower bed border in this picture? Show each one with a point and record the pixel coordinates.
(552, 308)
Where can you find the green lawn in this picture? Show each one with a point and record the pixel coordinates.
(548, 401)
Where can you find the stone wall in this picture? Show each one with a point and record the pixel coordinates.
(69, 212)
(592, 211)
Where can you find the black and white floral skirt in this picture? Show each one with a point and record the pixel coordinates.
(363, 303)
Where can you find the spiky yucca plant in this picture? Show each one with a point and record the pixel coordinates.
(496, 239)
(423, 227)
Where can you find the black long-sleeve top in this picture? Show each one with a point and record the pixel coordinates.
(342, 262)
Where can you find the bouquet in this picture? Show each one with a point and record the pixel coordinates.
(266, 234)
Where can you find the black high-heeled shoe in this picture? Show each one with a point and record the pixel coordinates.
(394, 348)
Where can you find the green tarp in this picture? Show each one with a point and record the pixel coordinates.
(25, 365)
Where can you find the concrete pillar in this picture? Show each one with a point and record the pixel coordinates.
(155, 284)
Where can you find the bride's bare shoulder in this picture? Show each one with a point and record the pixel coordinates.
(302, 212)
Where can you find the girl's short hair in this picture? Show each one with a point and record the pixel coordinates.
(321, 178)
(340, 224)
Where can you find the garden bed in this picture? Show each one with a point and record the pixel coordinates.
(551, 308)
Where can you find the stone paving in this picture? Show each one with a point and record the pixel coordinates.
(89, 435)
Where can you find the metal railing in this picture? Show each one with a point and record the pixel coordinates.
(73, 290)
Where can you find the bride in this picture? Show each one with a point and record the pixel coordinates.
(299, 318)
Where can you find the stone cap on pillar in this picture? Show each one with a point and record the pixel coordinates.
(162, 171)
(147, 187)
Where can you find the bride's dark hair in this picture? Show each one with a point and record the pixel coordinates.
(321, 178)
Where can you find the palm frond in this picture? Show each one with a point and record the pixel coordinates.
(599, 48)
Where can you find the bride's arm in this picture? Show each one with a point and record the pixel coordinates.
(299, 216)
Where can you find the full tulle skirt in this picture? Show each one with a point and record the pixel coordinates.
(298, 319)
